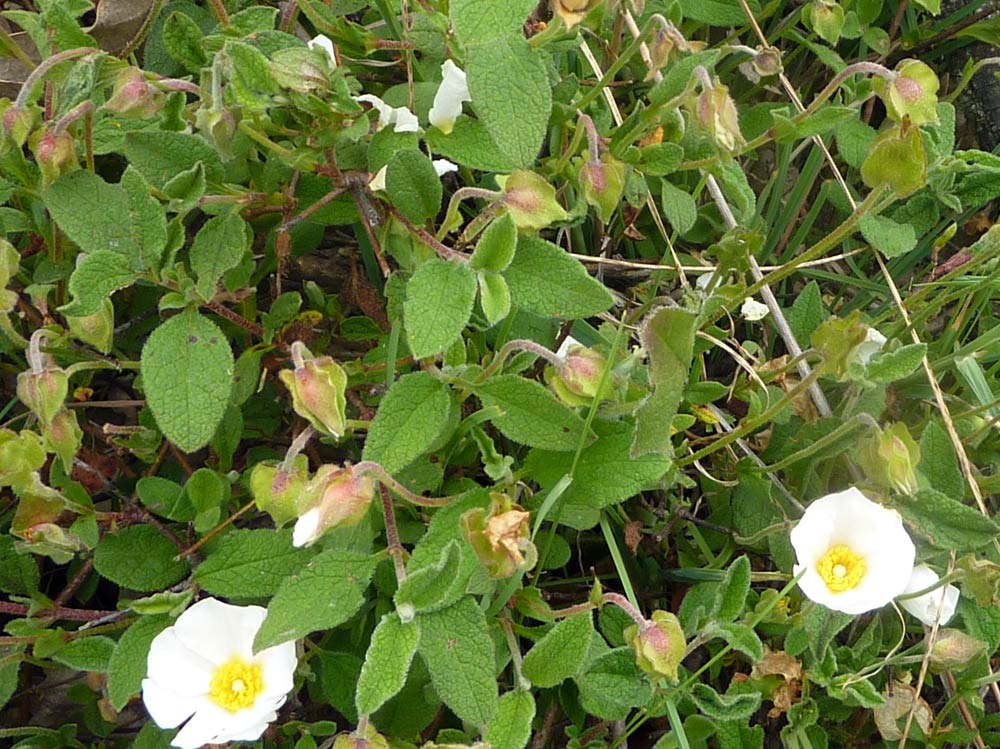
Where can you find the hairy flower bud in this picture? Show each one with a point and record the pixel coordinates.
(318, 386)
(954, 650)
(500, 536)
(64, 436)
(577, 381)
(659, 645)
(55, 153)
(827, 19)
(18, 122)
(134, 97)
(530, 200)
(342, 500)
(43, 392)
(281, 494)
(890, 458)
(603, 184)
(667, 45)
(911, 93)
(715, 112)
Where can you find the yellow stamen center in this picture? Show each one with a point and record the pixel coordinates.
(841, 569)
(236, 684)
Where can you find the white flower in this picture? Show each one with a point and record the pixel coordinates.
(753, 310)
(564, 347)
(441, 168)
(401, 118)
(454, 90)
(873, 343)
(855, 554)
(925, 607)
(324, 44)
(203, 670)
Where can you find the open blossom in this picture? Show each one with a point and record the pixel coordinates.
(753, 310)
(453, 91)
(854, 554)
(925, 607)
(202, 672)
(401, 118)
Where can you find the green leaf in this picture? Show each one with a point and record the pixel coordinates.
(668, 337)
(807, 312)
(530, 414)
(510, 90)
(187, 409)
(127, 666)
(470, 144)
(739, 636)
(387, 663)
(456, 645)
(561, 653)
(18, 572)
(481, 20)
(207, 492)
(10, 664)
(511, 726)
(105, 217)
(886, 367)
(854, 141)
(659, 159)
(96, 277)
(612, 685)
(938, 463)
(439, 299)
(887, 236)
(250, 564)
(413, 186)
(947, 523)
(678, 206)
(861, 693)
(87, 654)
(325, 594)
(115, 559)
(410, 418)
(496, 246)
(219, 246)
(530, 275)
(724, 707)
(160, 155)
(435, 586)
(606, 473)
(494, 295)
(164, 498)
(733, 591)
(250, 80)
(182, 39)
(718, 12)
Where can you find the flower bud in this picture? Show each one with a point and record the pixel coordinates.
(659, 645)
(453, 91)
(318, 386)
(827, 20)
(371, 740)
(21, 453)
(64, 437)
(48, 539)
(954, 650)
(218, 127)
(500, 537)
(577, 380)
(603, 184)
(845, 346)
(573, 11)
(896, 159)
(298, 69)
(890, 457)
(133, 97)
(715, 112)
(764, 64)
(343, 500)
(530, 200)
(666, 46)
(55, 153)
(911, 93)
(323, 43)
(96, 329)
(281, 494)
(43, 392)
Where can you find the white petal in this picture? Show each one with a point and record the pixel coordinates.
(168, 709)
(443, 167)
(307, 525)
(218, 631)
(279, 664)
(753, 310)
(177, 668)
(253, 732)
(454, 90)
(565, 346)
(207, 726)
(404, 120)
(382, 108)
(925, 607)
(873, 343)
(323, 43)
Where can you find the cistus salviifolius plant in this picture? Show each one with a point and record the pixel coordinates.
(575, 373)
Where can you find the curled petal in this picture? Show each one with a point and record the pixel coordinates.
(453, 91)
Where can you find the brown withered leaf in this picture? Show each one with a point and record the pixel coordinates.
(899, 699)
(780, 663)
